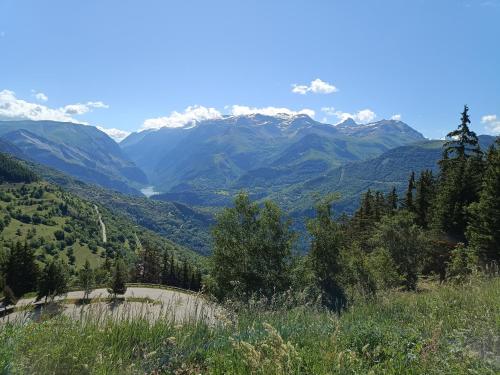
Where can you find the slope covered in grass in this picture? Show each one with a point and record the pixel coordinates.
(443, 330)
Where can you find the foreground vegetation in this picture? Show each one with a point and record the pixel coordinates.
(441, 330)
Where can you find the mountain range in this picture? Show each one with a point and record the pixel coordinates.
(205, 163)
(198, 168)
(82, 151)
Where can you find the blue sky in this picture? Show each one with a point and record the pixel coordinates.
(134, 64)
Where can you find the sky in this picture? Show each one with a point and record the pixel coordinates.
(127, 65)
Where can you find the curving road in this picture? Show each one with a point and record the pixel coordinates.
(173, 305)
(101, 223)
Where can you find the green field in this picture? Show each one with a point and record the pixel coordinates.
(442, 329)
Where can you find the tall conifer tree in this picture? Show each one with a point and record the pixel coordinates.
(484, 228)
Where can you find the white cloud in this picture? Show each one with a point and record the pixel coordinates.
(488, 118)
(117, 134)
(300, 89)
(41, 97)
(191, 115)
(364, 116)
(317, 87)
(396, 117)
(492, 124)
(241, 110)
(13, 108)
(82, 108)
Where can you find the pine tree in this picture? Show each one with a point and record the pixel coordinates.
(462, 142)
(54, 280)
(165, 269)
(425, 187)
(150, 265)
(392, 200)
(483, 231)
(21, 270)
(86, 278)
(118, 278)
(408, 202)
(459, 181)
(185, 275)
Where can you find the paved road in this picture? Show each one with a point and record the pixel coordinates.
(101, 223)
(169, 304)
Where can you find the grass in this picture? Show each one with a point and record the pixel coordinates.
(443, 330)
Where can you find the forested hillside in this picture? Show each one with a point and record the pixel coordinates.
(41, 223)
(174, 221)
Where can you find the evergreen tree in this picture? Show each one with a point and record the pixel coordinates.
(165, 269)
(425, 186)
(408, 202)
(325, 254)
(185, 275)
(53, 280)
(150, 265)
(118, 278)
(459, 181)
(462, 142)
(484, 229)
(392, 200)
(21, 270)
(86, 279)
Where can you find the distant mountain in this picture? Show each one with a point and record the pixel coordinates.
(82, 151)
(388, 170)
(204, 163)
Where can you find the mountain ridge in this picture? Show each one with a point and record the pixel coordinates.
(80, 150)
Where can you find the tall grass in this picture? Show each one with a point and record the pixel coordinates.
(447, 330)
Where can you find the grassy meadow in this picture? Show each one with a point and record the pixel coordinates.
(442, 329)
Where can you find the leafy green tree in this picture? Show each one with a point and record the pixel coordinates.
(463, 262)
(484, 227)
(21, 270)
(53, 280)
(86, 279)
(118, 278)
(326, 243)
(405, 241)
(383, 269)
(252, 249)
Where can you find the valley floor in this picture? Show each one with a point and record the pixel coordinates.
(442, 330)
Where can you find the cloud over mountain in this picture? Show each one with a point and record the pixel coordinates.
(196, 113)
(492, 124)
(363, 116)
(13, 108)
